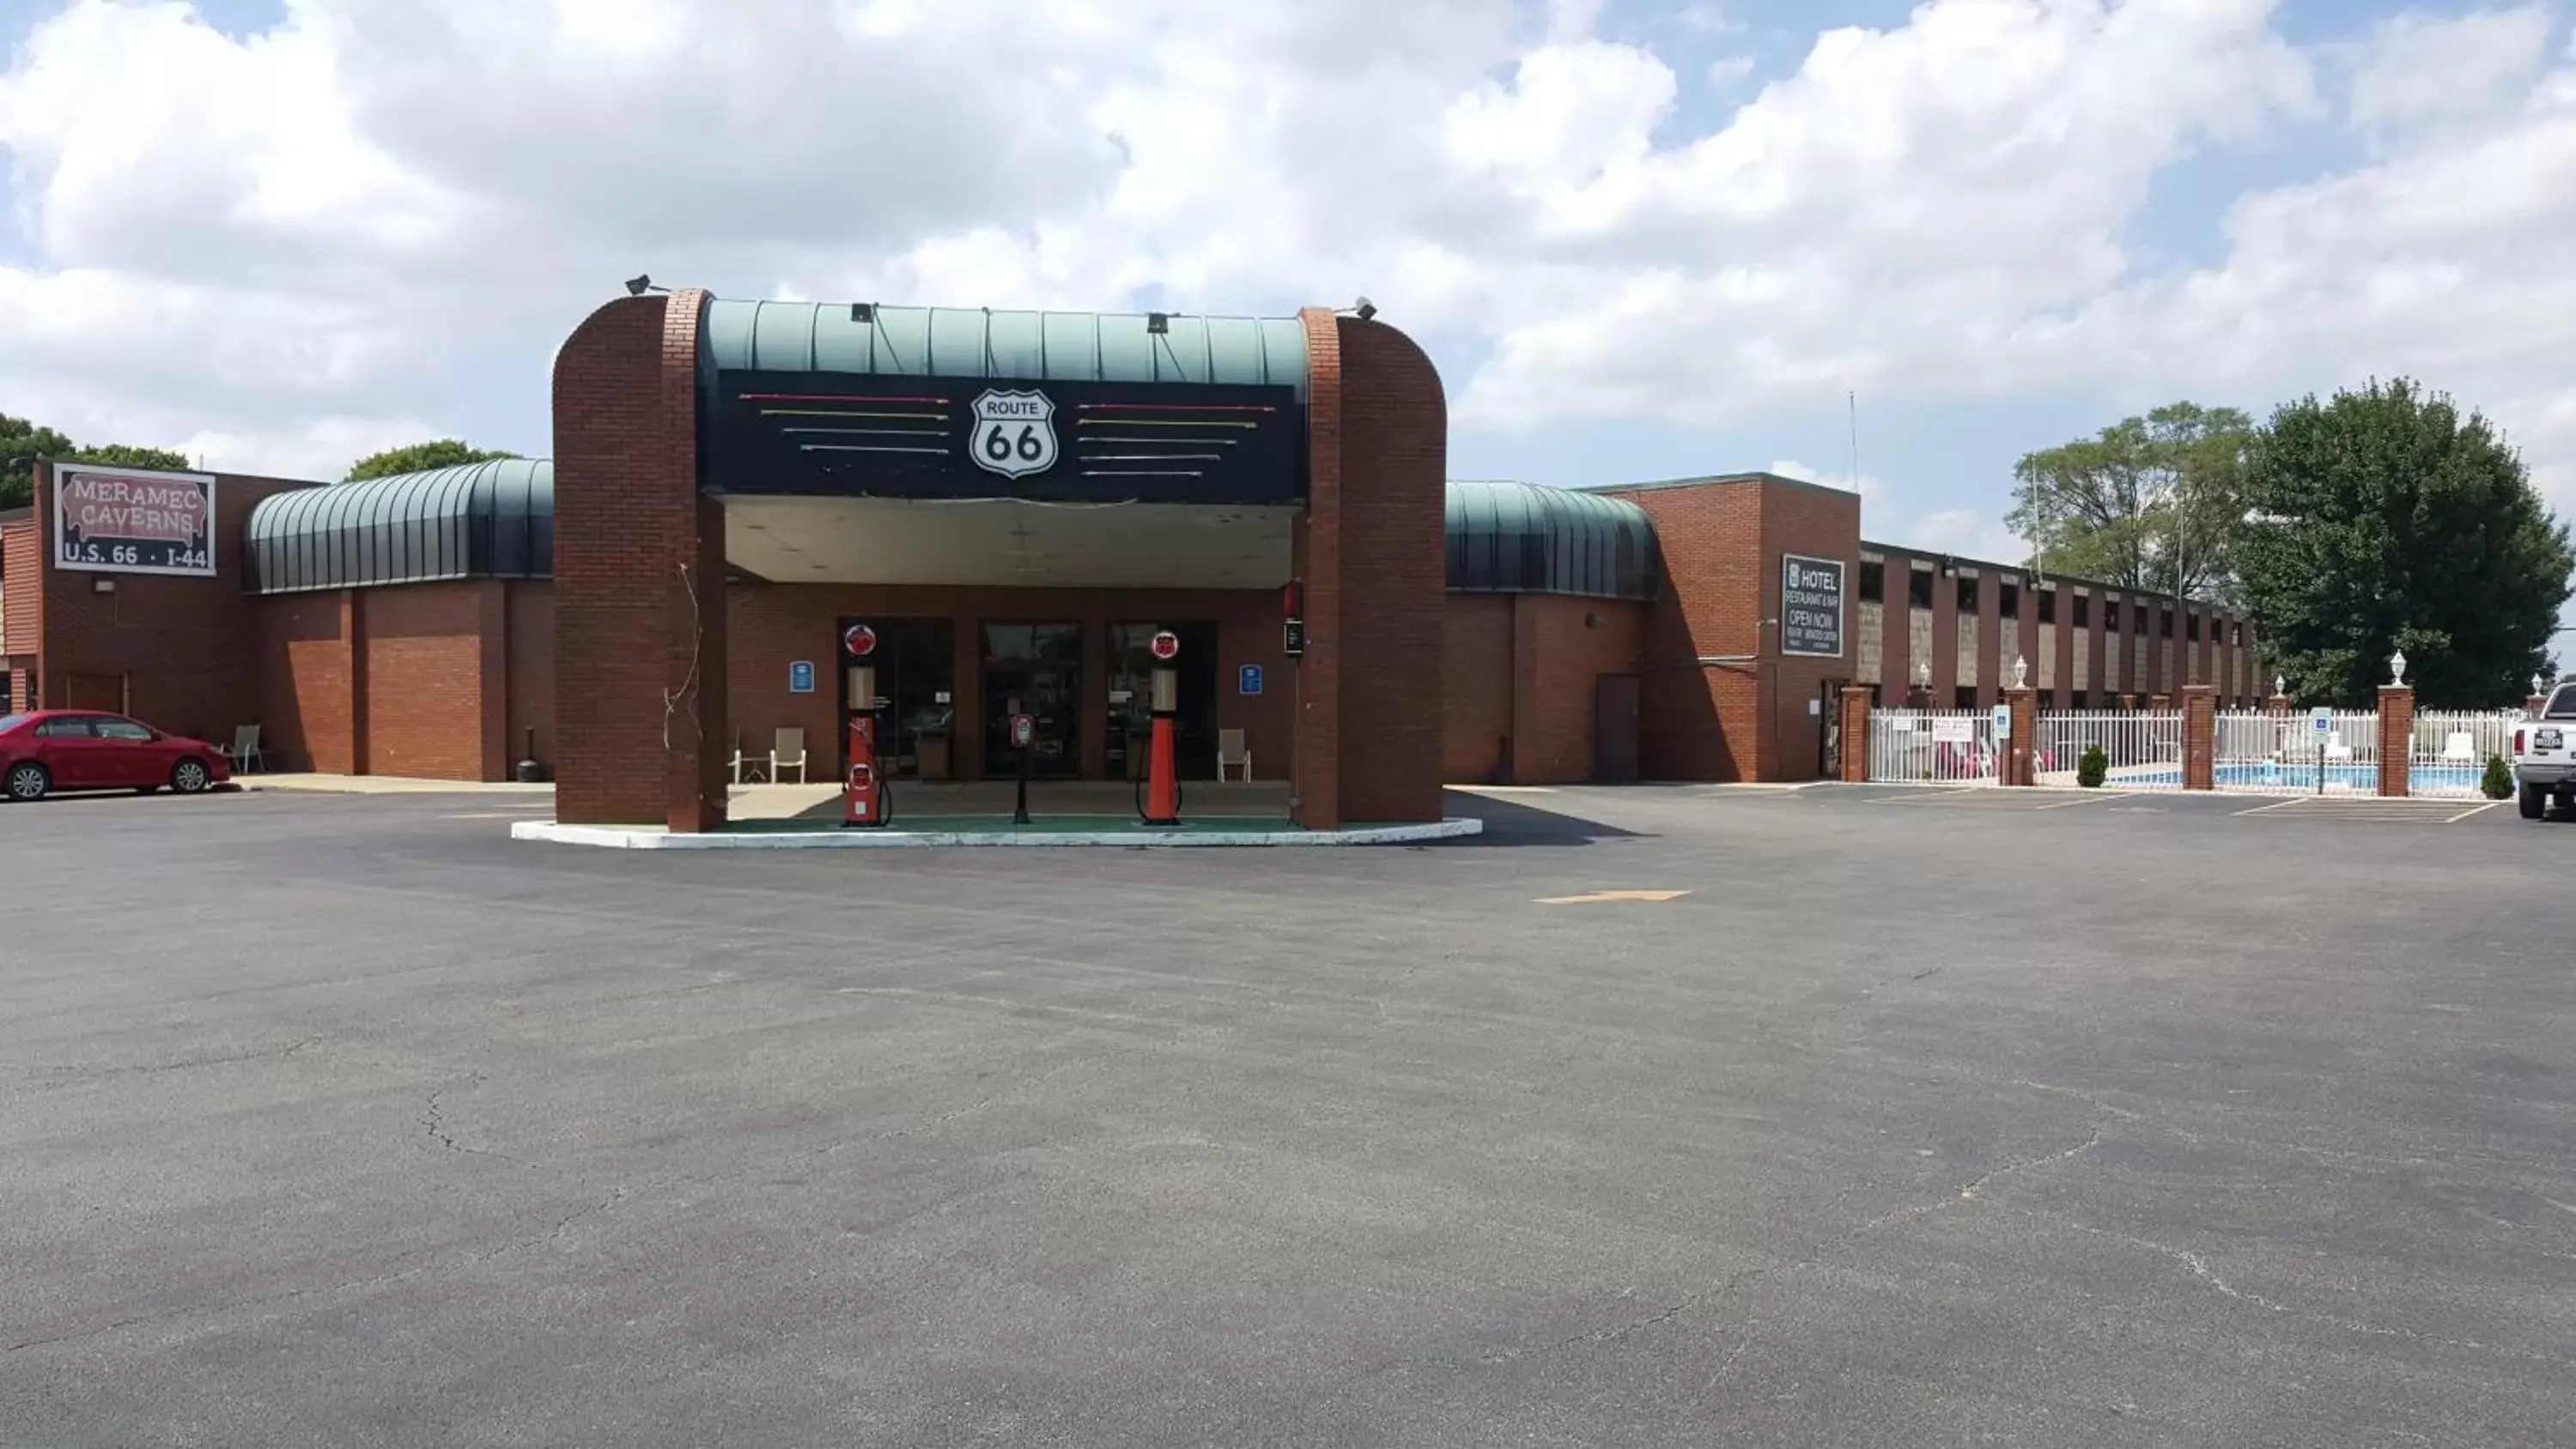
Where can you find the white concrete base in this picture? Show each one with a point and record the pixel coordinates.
(648, 837)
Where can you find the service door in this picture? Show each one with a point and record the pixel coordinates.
(1614, 729)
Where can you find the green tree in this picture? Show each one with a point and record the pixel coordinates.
(23, 442)
(121, 455)
(2149, 503)
(420, 458)
(2383, 520)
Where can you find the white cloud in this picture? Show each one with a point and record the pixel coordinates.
(2418, 66)
(1728, 70)
(1964, 532)
(284, 243)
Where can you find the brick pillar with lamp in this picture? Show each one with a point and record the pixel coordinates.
(2396, 730)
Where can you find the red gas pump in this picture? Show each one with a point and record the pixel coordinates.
(1162, 780)
(864, 798)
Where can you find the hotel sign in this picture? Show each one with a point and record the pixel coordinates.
(1811, 607)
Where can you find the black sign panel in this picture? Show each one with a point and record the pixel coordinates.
(134, 521)
(1811, 607)
(853, 435)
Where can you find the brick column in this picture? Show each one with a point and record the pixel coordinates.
(2278, 704)
(2021, 750)
(2535, 704)
(1855, 734)
(639, 576)
(2200, 737)
(2128, 704)
(2396, 732)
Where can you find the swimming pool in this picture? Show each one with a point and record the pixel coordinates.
(2423, 780)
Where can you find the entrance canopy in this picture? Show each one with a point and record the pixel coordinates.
(862, 401)
(1007, 543)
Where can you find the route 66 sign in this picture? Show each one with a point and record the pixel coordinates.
(1014, 433)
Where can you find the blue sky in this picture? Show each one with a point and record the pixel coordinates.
(1948, 395)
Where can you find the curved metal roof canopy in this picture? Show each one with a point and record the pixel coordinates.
(483, 520)
(972, 342)
(1519, 538)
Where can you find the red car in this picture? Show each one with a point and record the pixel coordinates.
(78, 749)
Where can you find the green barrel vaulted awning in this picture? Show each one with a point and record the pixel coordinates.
(1521, 538)
(743, 336)
(482, 520)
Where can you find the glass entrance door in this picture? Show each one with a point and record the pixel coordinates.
(1131, 699)
(916, 665)
(1034, 669)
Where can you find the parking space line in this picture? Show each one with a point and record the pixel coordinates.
(1928, 792)
(2096, 797)
(2473, 810)
(2275, 805)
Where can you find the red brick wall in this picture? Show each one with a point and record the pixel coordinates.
(307, 681)
(1476, 720)
(1393, 499)
(1818, 523)
(180, 651)
(1722, 542)
(432, 680)
(1700, 720)
(531, 670)
(638, 739)
(773, 625)
(1559, 659)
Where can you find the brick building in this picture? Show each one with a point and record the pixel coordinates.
(1003, 508)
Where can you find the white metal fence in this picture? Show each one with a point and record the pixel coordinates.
(2140, 751)
(2285, 754)
(1936, 746)
(2447, 752)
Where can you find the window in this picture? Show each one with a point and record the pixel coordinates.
(2191, 628)
(2236, 633)
(2048, 606)
(1873, 582)
(2142, 620)
(123, 729)
(1918, 590)
(11, 722)
(2008, 601)
(2083, 611)
(1966, 696)
(1967, 596)
(65, 729)
(2164, 619)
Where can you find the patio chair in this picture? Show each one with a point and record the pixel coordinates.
(788, 753)
(244, 753)
(2460, 747)
(745, 771)
(2336, 749)
(1231, 750)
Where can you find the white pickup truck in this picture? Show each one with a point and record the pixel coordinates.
(2544, 755)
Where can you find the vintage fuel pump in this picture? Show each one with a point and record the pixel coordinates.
(1162, 780)
(865, 801)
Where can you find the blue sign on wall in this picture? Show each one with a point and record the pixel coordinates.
(1251, 679)
(800, 677)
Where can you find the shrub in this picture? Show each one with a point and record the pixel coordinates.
(2093, 769)
(2499, 779)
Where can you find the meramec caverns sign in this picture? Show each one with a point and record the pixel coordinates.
(126, 520)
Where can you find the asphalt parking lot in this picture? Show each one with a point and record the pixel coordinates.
(1909, 1120)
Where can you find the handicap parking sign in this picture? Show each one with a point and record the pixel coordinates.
(1250, 681)
(2321, 722)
